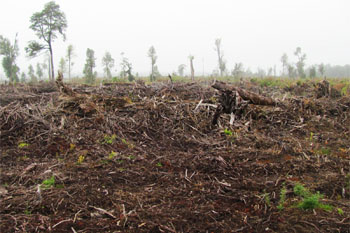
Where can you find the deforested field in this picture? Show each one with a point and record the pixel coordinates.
(174, 157)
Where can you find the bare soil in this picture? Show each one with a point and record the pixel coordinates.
(147, 158)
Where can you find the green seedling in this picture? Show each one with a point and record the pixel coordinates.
(48, 183)
(112, 155)
(309, 201)
(72, 146)
(283, 197)
(340, 211)
(267, 199)
(228, 132)
(324, 151)
(301, 191)
(81, 159)
(311, 136)
(159, 164)
(344, 91)
(22, 145)
(109, 139)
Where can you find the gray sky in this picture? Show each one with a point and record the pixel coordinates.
(253, 32)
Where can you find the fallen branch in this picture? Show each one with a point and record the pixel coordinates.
(246, 95)
(234, 100)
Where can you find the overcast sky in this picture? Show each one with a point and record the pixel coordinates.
(253, 32)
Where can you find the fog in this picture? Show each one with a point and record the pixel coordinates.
(253, 32)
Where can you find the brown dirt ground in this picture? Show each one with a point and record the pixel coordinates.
(137, 158)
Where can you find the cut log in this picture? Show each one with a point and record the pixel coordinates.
(234, 100)
(246, 95)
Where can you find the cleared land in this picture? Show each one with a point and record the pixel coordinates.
(147, 158)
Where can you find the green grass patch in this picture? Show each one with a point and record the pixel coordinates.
(48, 183)
(309, 200)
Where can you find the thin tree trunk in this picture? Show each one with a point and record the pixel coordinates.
(52, 67)
(49, 68)
(69, 66)
(192, 70)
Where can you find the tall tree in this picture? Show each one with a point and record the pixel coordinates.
(300, 63)
(153, 56)
(108, 64)
(47, 24)
(39, 70)
(10, 53)
(126, 68)
(62, 66)
(284, 60)
(221, 61)
(69, 56)
(90, 64)
(191, 58)
(181, 69)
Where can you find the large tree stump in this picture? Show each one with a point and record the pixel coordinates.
(235, 100)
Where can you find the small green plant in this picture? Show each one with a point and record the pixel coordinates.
(22, 145)
(301, 191)
(340, 211)
(131, 157)
(48, 183)
(112, 155)
(81, 159)
(109, 139)
(228, 132)
(283, 197)
(72, 146)
(159, 164)
(344, 91)
(309, 201)
(311, 136)
(324, 151)
(267, 199)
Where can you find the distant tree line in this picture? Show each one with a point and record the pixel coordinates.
(51, 22)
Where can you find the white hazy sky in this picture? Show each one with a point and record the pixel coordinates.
(253, 32)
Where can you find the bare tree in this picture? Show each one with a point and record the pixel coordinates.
(284, 60)
(191, 57)
(69, 57)
(301, 62)
(221, 61)
(153, 56)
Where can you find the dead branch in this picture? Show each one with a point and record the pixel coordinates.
(246, 95)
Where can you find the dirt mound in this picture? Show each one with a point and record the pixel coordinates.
(148, 158)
